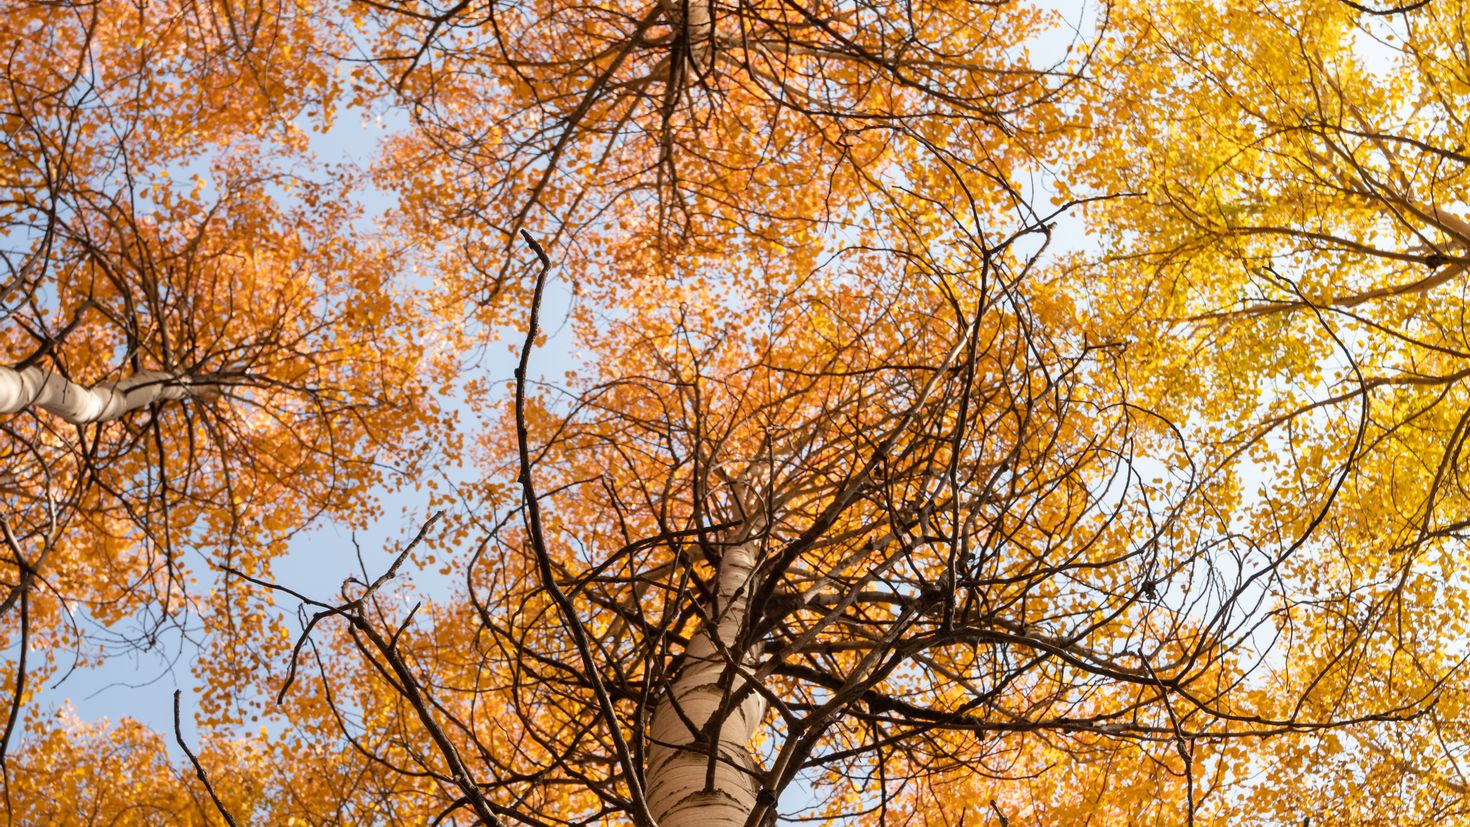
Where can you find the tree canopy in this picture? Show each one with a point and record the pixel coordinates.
(916, 412)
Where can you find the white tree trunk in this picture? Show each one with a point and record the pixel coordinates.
(700, 25)
(49, 391)
(680, 791)
(698, 22)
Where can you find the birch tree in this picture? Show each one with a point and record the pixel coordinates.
(1310, 247)
(897, 551)
(862, 502)
(198, 354)
(740, 141)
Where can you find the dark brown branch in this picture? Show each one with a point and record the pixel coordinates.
(198, 767)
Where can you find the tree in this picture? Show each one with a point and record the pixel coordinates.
(650, 140)
(1296, 254)
(860, 488)
(200, 354)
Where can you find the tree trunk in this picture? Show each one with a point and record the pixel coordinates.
(697, 20)
(51, 392)
(682, 791)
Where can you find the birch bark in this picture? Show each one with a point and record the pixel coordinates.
(697, 20)
(682, 791)
(53, 393)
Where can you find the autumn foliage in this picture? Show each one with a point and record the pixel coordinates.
(916, 412)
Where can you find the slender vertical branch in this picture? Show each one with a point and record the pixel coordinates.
(20, 686)
(199, 768)
(543, 556)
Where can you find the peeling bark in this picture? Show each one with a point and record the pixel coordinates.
(682, 792)
(53, 393)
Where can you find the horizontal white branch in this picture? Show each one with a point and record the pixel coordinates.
(51, 392)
